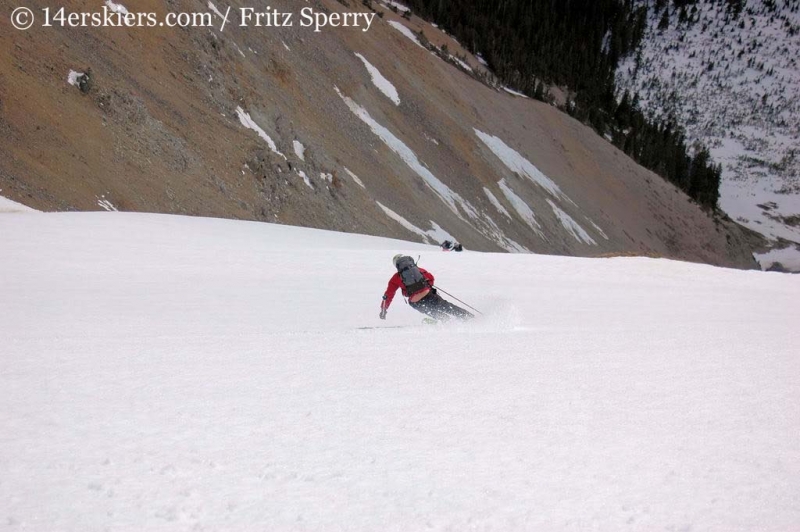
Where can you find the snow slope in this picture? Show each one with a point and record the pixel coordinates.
(7, 205)
(176, 373)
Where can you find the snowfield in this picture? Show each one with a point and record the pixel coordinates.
(7, 205)
(174, 373)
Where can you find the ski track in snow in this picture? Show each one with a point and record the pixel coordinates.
(163, 372)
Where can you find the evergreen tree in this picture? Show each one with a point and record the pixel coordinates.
(532, 44)
(664, 22)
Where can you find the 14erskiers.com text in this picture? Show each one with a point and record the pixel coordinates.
(118, 16)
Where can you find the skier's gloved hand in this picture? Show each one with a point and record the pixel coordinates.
(383, 314)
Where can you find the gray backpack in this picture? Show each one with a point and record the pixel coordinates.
(412, 278)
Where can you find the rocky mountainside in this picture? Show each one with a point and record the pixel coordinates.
(729, 74)
(383, 131)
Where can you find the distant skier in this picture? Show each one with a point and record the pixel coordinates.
(451, 246)
(417, 285)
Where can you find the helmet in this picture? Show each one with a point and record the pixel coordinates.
(397, 258)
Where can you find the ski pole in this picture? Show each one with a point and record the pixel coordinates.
(463, 303)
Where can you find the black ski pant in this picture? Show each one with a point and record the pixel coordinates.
(436, 307)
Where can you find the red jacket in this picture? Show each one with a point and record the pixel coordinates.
(396, 282)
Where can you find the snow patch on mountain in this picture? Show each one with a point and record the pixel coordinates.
(571, 225)
(105, 204)
(494, 201)
(522, 208)
(378, 79)
(496, 234)
(213, 8)
(405, 31)
(355, 178)
(398, 6)
(461, 63)
(597, 228)
(788, 258)
(73, 77)
(249, 123)
(479, 220)
(519, 164)
(7, 205)
(299, 150)
(515, 93)
(435, 235)
(445, 193)
(116, 8)
(306, 180)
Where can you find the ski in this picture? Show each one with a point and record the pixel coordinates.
(384, 327)
(425, 321)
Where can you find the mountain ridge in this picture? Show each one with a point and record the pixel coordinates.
(729, 77)
(178, 121)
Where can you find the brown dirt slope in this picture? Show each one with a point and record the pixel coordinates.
(158, 131)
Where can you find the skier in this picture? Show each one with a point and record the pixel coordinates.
(451, 246)
(417, 285)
